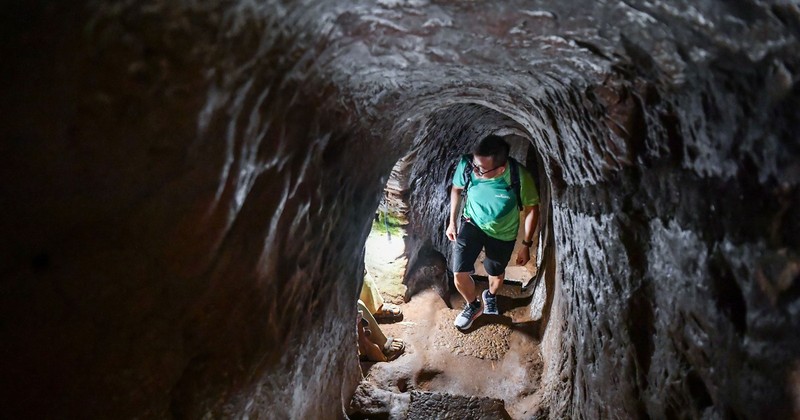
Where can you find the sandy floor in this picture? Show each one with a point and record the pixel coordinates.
(498, 357)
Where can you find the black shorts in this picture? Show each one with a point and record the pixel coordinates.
(471, 239)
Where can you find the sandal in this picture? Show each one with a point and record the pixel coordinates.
(393, 348)
(388, 312)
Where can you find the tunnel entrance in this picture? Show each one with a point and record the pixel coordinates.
(384, 252)
(497, 362)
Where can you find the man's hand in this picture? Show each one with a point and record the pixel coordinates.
(523, 256)
(451, 232)
(531, 221)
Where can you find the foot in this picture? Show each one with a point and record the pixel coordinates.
(489, 303)
(393, 348)
(469, 314)
(388, 313)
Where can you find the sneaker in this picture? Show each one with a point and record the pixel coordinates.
(490, 303)
(469, 314)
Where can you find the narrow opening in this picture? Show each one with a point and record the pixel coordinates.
(408, 262)
(385, 253)
(382, 291)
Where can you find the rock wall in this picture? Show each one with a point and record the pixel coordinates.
(182, 217)
(188, 185)
(669, 310)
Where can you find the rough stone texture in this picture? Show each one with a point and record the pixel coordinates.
(168, 188)
(370, 402)
(430, 405)
(187, 187)
(489, 342)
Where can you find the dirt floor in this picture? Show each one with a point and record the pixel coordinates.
(497, 357)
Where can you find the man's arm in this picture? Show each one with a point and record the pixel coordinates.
(531, 221)
(455, 203)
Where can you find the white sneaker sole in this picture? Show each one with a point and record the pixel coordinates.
(474, 317)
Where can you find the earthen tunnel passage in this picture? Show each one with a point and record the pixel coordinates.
(187, 187)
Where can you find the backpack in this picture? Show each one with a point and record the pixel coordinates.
(512, 165)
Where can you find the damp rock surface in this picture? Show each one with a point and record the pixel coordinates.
(187, 188)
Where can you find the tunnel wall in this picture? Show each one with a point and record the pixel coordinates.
(669, 215)
(662, 263)
(190, 185)
(181, 220)
(670, 208)
(666, 228)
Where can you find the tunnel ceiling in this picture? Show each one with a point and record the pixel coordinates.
(439, 52)
(188, 186)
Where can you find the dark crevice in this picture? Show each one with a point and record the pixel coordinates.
(41, 261)
(698, 391)
(642, 330)
(591, 47)
(789, 16)
(726, 292)
(643, 62)
(792, 294)
(674, 139)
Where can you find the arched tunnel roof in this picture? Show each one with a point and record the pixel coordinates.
(187, 187)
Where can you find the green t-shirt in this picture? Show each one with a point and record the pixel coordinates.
(491, 206)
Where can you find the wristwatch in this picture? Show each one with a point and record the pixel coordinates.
(528, 244)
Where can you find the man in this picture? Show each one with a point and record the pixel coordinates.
(490, 221)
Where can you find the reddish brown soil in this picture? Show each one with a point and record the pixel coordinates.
(498, 357)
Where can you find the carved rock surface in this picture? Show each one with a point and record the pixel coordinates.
(187, 187)
(431, 405)
(370, 402)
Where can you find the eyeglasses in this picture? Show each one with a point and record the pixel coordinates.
(477, 169)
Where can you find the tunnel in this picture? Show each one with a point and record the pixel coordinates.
(188, 187)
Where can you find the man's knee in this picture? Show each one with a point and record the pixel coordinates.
(494, 269)
(500, 276)
(462, 278)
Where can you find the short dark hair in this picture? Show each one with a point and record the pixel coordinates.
(493, 146)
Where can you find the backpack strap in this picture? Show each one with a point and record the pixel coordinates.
(467, 174)
(515, 184)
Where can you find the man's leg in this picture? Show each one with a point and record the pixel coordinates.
(465, 286)
(495, 282)
(468, 245)
(370, 294)
(377, 335)
(466, 250)
(498, 254)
